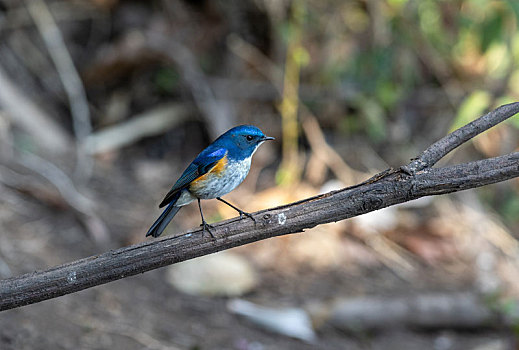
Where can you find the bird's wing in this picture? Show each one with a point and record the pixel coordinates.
(202, 164)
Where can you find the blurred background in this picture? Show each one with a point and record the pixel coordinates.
(103, 103)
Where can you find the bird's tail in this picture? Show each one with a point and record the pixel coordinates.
(160, 224)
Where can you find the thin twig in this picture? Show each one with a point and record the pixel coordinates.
(219, 114)
(422, 311)
(253, 55)
(82, 205)
(289, 170)
(62, 11)
(439, 149)
(155, 121)
(327, 154)
(397, 187)
(69, 77)
(24, 113)
(58, 178)
(386, 189)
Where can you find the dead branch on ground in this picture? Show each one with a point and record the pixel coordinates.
(423, 311)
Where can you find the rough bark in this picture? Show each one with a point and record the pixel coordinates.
(385, 189)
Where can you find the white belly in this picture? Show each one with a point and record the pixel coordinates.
(217, 185)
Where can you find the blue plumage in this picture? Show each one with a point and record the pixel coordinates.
(202, 164)
(216, 171)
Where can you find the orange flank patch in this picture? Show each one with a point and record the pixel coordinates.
(216, 170)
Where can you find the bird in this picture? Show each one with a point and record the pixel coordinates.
(216, 171)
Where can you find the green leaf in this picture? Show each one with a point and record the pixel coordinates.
(374, 118)
(388, 93)
(514, 4)
(166, 79)
(301, 56)
(510, 209)
(491, 31)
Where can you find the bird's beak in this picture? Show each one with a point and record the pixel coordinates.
(267, 138)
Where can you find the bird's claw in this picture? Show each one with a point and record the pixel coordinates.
(244, 213)
(241, 212)
(207, 227)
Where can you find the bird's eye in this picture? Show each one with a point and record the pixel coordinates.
(250, 137)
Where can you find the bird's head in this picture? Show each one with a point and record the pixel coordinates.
(242, 141)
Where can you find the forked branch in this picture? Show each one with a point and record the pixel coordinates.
(390, 187)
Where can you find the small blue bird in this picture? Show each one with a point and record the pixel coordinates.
(216, 171)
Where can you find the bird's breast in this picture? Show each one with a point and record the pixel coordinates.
(221, 180)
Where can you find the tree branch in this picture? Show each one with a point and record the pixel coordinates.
(385, 189)
(440, 148)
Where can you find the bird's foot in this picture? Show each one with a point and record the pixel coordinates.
(244, 213)
(207, 227)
